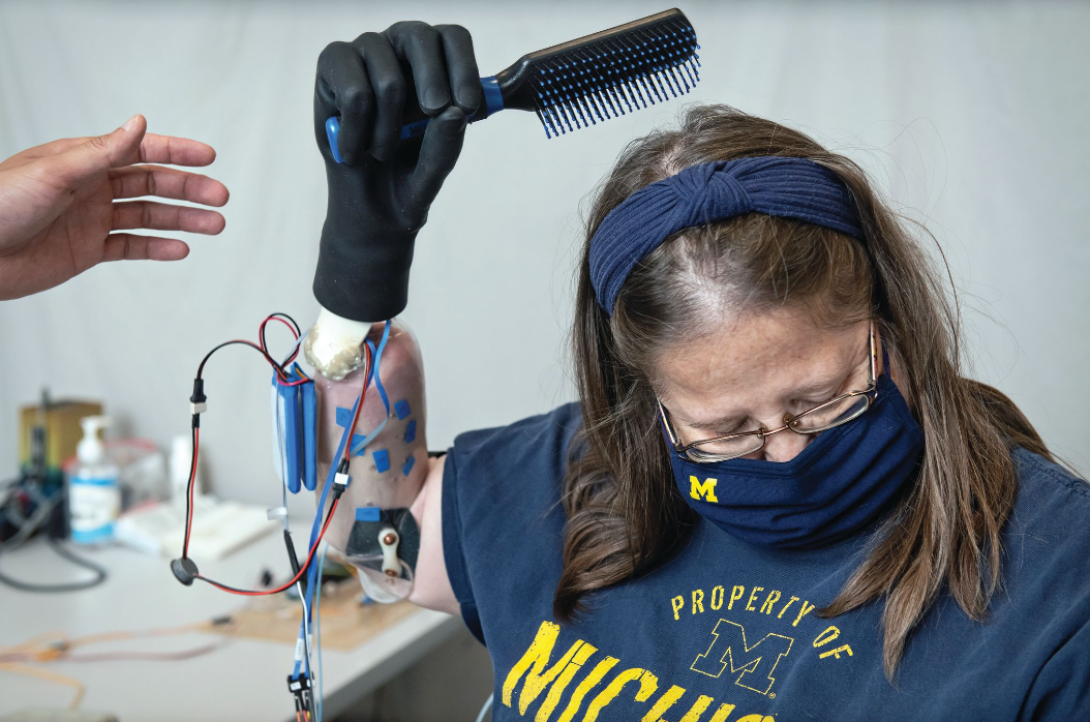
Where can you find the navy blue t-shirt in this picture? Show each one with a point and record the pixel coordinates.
(727, 632)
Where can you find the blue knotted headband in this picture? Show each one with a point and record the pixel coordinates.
(774, 185)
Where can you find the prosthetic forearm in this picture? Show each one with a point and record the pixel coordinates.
(387, 462)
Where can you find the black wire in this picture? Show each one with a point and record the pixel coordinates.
(281, 372)
(100, 575)
(298, 332)
(279, 369)
(291, 320)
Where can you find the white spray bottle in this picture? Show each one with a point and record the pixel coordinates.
(94, 496)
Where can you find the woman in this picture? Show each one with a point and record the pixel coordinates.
(777, 497)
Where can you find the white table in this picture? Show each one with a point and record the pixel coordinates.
(243, 680)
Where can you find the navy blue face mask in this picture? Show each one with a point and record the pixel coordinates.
(833, 487)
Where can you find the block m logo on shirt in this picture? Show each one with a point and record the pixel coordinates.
(703, 490)
(751, 666)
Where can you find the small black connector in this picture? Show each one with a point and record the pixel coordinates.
(197, 405)
(198, 396)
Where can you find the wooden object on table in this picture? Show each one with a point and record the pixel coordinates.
(346, 624)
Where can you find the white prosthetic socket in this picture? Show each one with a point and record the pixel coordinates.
(334, 345)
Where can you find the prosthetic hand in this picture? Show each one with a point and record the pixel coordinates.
(380, 195)
(387, 455)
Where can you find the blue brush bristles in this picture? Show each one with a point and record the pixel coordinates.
(615, 76)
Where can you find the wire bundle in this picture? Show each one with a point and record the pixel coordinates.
(302, 668)
(306, 576)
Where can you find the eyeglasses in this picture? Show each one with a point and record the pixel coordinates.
(832, 413)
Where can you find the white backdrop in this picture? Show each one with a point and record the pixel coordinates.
(971, 115)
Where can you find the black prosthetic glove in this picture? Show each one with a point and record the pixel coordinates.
(380, 195)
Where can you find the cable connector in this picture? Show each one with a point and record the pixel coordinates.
(197, 402)
(340, 483)
(298, 685)
(341, 479)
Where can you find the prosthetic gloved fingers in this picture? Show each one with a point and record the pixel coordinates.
(373, 528)
(380, 195)
(465, 85)
(342, 88)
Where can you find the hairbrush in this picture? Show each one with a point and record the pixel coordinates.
(583, 81)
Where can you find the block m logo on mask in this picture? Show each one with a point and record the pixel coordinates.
(751, 666)
(703, 490)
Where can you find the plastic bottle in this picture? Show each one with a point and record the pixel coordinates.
(94, 496)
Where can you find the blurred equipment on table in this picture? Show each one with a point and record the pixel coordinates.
(159, 527)
(35, 501)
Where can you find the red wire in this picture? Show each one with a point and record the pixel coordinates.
(294, 334)
(290, 582)
(281, 320)
(281, 374)
(300, 382)
(192, 479)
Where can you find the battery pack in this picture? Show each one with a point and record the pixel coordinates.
(295, 432)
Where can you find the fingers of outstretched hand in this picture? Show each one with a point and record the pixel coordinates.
(84, 158)
(165, 217)
(465, 81)
(130, 247)
(174, 151)
(343, 89)
(152, 180)
(439, 152)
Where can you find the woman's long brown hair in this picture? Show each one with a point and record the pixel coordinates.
(625, 515)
